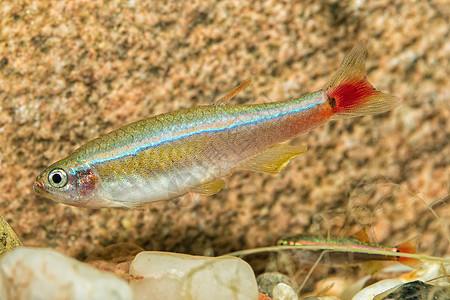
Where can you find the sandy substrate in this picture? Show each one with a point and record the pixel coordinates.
(70, 72)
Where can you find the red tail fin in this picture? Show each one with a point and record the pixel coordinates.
(349, 92)
(408, 247)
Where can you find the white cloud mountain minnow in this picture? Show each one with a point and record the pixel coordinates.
(338, 257)
(190, 150)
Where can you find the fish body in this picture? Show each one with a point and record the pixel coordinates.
(190, 150)
(346, 258)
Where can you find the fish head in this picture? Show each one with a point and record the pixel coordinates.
(67, 183)
(283, 242)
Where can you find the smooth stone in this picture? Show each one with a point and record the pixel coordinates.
(173, 276)
(33, 273)
(267, 281)
(8, 238)
(283, 291)
(377, 288)
(416, 290)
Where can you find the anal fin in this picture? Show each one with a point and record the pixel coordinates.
(210, 188)
(274, 159)
(372, 267)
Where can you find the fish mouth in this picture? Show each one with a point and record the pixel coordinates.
(38, 188)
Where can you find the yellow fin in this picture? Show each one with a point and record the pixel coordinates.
(187, 200)
(362, 235)
(232, 93)
(274, 159)
(121, 204)
(210, 188)
(372, 267)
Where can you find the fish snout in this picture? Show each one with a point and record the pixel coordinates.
(38, 187)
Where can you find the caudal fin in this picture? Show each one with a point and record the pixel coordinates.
(411, 248)
(349, 92)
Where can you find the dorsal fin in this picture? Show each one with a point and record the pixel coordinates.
(232, 93)
(362, 235)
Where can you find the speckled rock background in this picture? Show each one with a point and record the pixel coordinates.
(70, 71)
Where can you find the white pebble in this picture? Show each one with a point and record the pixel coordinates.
(162, 275)
(32, 273)
(283, 291)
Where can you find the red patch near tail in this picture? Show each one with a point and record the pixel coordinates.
(350, 95)
(408, 247)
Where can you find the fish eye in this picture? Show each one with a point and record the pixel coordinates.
(57, 178)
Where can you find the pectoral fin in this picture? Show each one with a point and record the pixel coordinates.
(274, 159)
(122, 204)
(210, 188)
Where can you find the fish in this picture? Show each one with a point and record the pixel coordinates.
(358, 241)
(191, 150)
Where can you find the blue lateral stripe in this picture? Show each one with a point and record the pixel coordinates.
(134, 151)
